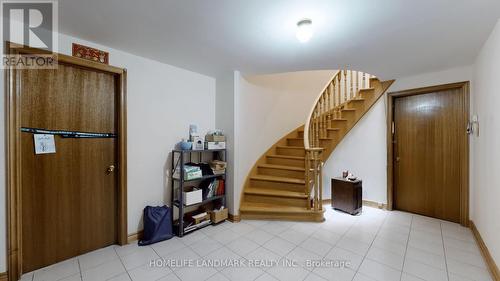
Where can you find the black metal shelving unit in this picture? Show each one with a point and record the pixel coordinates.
(179, 159)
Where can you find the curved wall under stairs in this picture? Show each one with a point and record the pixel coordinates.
(275, 186)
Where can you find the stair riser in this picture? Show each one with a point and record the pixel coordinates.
(291, 151)
(295, 142)
(300, 134)
(325, 143)
(286, 162)
(349, 115)
(282, 216)
(333, 134)
(338, 124)
(281, 201)
(357, 103)
(282, 173)
(367, 94)
(375, 83)
(277, 185)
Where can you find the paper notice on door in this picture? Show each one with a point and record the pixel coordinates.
(44, 144)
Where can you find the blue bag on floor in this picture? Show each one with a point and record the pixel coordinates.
(157, 225)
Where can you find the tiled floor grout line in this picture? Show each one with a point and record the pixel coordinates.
(120, 259)
(341, 237)
(406, 249)
(444, 252)
(371, 244)
(172, 271)
(80, 269)
(284, 256)
(371, 225)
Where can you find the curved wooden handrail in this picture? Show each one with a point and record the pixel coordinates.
(328, 106)
(309, 117)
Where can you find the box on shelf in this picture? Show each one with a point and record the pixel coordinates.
(197, 143)
(215, 138)
(215, 145)
(217, 216)
(199, 218)
(218, 167)
(190, 173)
(192, 195)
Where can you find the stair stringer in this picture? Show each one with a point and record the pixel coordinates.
(256, 210)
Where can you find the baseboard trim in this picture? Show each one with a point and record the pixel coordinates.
(135, 236)
(490, 262)
(234, 218)
(4, 276)
(367, 203)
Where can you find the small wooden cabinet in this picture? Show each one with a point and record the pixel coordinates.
(347, 196)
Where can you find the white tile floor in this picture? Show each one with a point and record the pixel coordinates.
(375, 246)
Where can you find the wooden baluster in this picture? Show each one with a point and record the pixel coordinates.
(313, 131)
(316, 140)
(351, 94)
(320, 185)
(319, 118)
(345, 86)
(325, 112)
(321, 115)
(339, 95)
(308, 180)
(330, 105)
(357, 83)
(364, 80)
(334, 87)
(315, 183)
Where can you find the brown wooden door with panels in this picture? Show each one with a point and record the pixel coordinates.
(72, 200)
(430, 152)
(69, 197)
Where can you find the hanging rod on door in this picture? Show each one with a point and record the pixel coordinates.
(67, 134)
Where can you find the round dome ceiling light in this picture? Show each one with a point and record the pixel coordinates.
(304, 30)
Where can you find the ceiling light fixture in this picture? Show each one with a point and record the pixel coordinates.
(304, 30)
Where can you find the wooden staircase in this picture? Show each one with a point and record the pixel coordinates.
(276, 188)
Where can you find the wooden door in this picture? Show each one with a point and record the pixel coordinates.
(429, 153)
(69, 198)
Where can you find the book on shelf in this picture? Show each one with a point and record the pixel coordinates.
(194, 226)
(213, 187)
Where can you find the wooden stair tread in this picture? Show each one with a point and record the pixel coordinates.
(290, 147)
(265, 208)
(275, 192)
(281, 167)
(278, 179)
(367, 89)
(287, 157)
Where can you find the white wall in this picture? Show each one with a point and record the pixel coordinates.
(224, 119)
(162, 101)
(363, 152)
(262, 117)
(267, 108)
(452, 75)
(485, 147)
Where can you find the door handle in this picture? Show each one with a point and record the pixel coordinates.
(110, 169)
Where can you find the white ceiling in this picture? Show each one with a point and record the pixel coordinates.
(389, 38)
